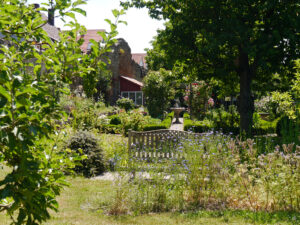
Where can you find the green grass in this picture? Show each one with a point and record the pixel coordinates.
(85, 201)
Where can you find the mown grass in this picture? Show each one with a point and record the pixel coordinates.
(85, 200)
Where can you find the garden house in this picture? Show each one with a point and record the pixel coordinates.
(131, 88)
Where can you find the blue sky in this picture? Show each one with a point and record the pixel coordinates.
(138, 33)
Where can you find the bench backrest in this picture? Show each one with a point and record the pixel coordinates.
(157, 143)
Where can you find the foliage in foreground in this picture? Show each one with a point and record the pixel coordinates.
(216, 173)
(32, 80)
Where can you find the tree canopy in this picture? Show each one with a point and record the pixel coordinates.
(252, 39)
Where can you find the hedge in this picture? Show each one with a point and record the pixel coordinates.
(165, 124)
(196, 126)
(263, 127)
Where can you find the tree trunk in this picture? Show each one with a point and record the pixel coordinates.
(246, 101)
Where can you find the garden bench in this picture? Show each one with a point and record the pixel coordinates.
(157, 144)
(150, 150)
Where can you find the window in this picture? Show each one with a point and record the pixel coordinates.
(136, 96)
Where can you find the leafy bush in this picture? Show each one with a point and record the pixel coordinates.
(85, 143)
(223, 119)
(84, 112)
(264, 104)
(111, 128)
(133, 120)
(125, 103)
(84, 120)
(115, 120)
(158, 92)
(283, 104)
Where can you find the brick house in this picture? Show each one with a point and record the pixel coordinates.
(127, 69)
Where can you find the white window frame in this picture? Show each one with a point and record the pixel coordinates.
(135, 92)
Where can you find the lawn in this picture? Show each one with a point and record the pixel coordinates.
(85, 200)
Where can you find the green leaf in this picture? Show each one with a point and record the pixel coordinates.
(5, 93)
(115, 12)
(80, 11)
(70, 14)
(27, 90)
(122, 21)
(79, 2)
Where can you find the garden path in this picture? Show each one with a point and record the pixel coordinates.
(177, 126)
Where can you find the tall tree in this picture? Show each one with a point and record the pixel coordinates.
(251, 38)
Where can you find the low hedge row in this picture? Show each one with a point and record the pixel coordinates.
(196, 126)
(262, 127)
(265, 127)
(165, 124)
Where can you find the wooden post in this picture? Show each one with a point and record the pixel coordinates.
(129, 141)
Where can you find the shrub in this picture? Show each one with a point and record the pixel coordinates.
(85, 143)
(84, 112)
(133, 120)
(224, 120)
(111, 128)
(158, 92)
(84, 120)
(125, 103)
(115, 120)
(264, 104)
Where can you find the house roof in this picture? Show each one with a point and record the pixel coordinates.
(52, 31)
(90, 34)
(132, 80)
(140, 58)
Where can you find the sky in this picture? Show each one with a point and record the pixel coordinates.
(138, 33)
